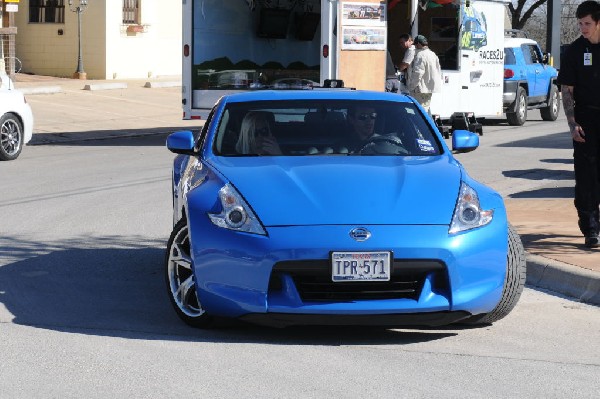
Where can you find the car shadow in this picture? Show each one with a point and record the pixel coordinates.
(111, 286)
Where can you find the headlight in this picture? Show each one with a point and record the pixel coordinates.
(235, 213)
(468, 214)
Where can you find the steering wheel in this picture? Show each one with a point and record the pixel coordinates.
(385, 144)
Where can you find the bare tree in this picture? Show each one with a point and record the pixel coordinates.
(522, 10)
(569, 31)
(532, 16)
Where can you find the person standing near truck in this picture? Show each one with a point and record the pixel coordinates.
(425, 77)
(392, 84)
(406, 42)
(579, 77)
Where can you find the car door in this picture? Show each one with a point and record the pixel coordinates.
(543, 78)
(534, 70)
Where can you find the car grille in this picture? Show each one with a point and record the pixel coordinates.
(313, 281)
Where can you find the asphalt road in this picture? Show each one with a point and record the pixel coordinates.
(84, 309)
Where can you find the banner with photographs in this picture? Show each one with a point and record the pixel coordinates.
(364, 38)
(364, 14)
(363, 26)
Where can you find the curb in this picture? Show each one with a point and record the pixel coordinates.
(105, 86)
(152, 85)
(40, 90)
(582, 284)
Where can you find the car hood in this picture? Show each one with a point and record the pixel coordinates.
(346, 190)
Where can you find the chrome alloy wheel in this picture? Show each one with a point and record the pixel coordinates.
(522, 108)
(180, 276)
(11, 137)
(555, 103)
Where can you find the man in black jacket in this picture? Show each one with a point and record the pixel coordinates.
(579, 77)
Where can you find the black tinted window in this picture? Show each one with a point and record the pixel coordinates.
(324, 127)
(530, 53)
(509, 56)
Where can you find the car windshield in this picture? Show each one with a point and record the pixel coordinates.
(324, 127)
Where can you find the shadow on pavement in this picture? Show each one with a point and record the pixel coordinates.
(558, 160)
(126, 137)
(114, 286)
(540, 174)
(546, 193)
(551, 141)
(554, 244)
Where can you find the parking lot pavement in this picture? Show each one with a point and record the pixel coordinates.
(75, 110)
(556, 257)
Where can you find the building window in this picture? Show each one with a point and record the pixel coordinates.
(50, 11)
(131, 12)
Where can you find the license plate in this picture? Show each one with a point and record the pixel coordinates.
(360, 266)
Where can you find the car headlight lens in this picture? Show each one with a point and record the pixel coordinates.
(235, 213)
(468, 213)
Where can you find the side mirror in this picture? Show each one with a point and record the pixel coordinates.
(547, 59)
(464, 141)
(181, 142)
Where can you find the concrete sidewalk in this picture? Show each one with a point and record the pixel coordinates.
(38, 84)
(556, 257)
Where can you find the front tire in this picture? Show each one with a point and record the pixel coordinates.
(519, 116)
(11, 137)
(550, 113)
(516, 273)
(181, 279)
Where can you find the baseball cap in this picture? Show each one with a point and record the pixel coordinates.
(420, 39)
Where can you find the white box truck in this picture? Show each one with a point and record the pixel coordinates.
(233, 45)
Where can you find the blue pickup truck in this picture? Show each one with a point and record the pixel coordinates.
(529, 81)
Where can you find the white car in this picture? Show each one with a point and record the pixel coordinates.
(16, 121)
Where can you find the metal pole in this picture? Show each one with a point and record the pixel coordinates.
(553, 30)
(11, 47)
(79, 59)
(79, 73)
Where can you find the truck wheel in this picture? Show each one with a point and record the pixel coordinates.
(518, 117)
(516, 270)
(550, 113)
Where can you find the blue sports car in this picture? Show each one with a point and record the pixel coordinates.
(334, 206)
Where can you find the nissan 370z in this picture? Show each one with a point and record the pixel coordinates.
(344, 207)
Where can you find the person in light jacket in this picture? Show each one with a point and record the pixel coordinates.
(426, 73)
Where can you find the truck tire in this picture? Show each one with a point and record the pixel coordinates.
(519, 116)
(550, 113)
(516, 272)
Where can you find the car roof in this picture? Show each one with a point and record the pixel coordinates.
(517, 41)
(316, 94)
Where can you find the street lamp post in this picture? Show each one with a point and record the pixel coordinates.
(80, 73)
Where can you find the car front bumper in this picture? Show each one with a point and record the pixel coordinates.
(257, 276)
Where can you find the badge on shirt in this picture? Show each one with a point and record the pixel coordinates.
(587, 59)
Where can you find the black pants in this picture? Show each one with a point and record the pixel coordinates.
(587, 171)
